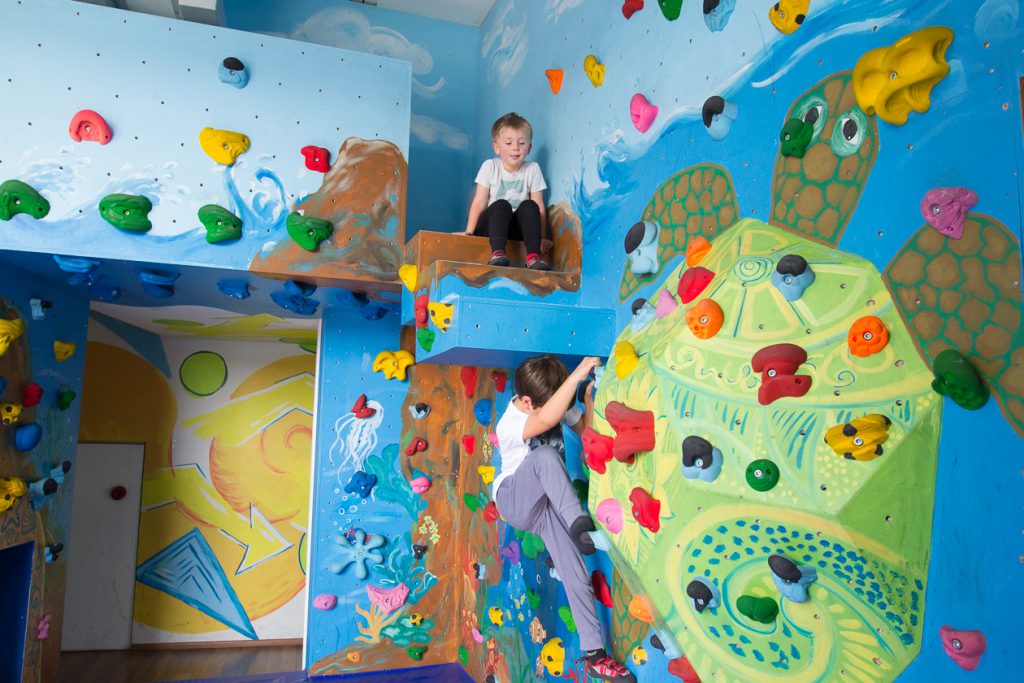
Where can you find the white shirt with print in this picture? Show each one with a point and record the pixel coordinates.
(514, 187)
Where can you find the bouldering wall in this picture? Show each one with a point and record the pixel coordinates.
(670, 122)
(228, 431)
(116, 157)
(442, 56)
(42, 343)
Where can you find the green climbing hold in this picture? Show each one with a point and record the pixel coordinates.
(762, 475)
(426, 336)
(128, 212)
(796, 137)
(582, 490)
(463, 655)
(416, 651)
(471, 501)
(533, 597)
(956, 377)
(65, 398)
(532, 544)
(671, 8)
(18, 197)
(221, 225)
(308, 231)
(763, 610)
(308, 346)
(566, 616)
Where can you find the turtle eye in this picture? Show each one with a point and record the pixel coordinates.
(813, 110)
(849, 132)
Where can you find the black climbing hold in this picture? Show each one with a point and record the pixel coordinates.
(656, 642)
(849, 429)
(784, 568)
(418, 551)
(710, 5)
(637, 305)
(50, 486)
(791, 264)
(701, 594)
(714, 105)
(634, 237)
(234, 64)
(697, 449)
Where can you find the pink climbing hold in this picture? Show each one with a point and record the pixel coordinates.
(945, 209)
(642, 112)
(420, 483)
(609, 513)
(89, 126)
(477, 636)
(963, 647)
(317, 158)
(388, 599)
(666, 304)
(493, 438)
(43, 627)
(325, 601)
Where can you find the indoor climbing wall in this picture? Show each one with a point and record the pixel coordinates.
(208, 146)
(228, 434)
(42, 343)
(791, 399)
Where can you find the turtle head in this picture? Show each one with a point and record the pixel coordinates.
(828, 146)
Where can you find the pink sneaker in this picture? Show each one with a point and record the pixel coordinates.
(499, 258)
(537, 262)
(602, 667)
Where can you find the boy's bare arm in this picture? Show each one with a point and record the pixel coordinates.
(551, 412)
(480, 199)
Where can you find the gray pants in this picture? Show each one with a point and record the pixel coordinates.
(539, 498)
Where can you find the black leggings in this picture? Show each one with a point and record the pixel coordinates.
(500, 224)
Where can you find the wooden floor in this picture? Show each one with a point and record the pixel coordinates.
(150, 666)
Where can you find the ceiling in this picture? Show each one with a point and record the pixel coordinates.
(470, 12)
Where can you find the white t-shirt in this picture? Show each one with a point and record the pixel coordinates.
(512, 446)
(515, 187)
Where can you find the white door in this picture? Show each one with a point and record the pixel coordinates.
(101, 548)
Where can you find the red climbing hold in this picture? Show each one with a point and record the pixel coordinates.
(500, 379)
(88, 126)
(778, 364)
(468, 375)
(421, 312)
(602, 591)
(417, 445)
(694, 281)
(634, 430)
(646, 509)
(682, 668)
(31, 395)
(631, 7)
(317, 158)
(598, 449)
(360, 410)
(469, 443)
(491, 512)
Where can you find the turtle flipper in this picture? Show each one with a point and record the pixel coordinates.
(965, 294)
(699, 200)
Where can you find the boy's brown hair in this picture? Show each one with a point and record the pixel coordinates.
(515, 122)
(539, 378)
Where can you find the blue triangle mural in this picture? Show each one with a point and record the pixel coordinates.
(188, 570)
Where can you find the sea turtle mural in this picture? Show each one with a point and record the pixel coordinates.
(795, 422)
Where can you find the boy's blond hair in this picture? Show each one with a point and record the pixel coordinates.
(515, 122)
(539, 378)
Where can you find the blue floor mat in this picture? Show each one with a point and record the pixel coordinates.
(441, 673)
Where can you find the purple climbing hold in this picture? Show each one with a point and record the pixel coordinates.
(945, 209)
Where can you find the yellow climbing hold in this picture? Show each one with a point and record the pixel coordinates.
(223, 146)
(625, 359)
(486, 473)
(63, 350)
(594, 70)
(891, 81)
(552, 656)
(393, 364)
(496, 616)
(441, 315)
(408, 274)
(9, 331)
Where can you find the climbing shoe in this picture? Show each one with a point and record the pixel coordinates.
(536, 262)
(499, 258)
(579, 532)
(602, 667)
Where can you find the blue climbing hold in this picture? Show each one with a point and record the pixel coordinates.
(27, 437)
(791, 580)
(361, 483)
(357, 551)
(295, 303)
(703, 594)
(233, 72)
(701, 460)
(237, 289)
(482, 410)
(3, 384)
(792, 276)
(296, 288)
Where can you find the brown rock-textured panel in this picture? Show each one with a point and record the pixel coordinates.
(363, 196)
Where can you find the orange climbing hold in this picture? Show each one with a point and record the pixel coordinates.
(555, 77)
(634, 431)
(705, 319)
(638, 609)
(696, 250)
(868, 336)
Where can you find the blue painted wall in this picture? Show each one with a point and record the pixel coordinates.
(443, 58)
